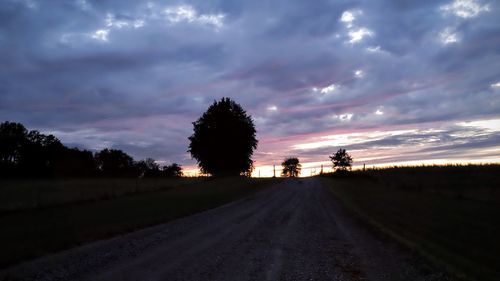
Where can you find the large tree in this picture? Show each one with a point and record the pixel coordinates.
(224, 139)
(341, 160)
(291, 167)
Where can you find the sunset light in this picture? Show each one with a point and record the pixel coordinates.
(250, 140)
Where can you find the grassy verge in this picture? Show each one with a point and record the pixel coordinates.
(29, 194)
(457, 233)
(36, 232)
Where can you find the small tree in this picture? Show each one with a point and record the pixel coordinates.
(291, 167)
(341, 160)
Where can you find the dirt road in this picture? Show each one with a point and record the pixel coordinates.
(293, 231)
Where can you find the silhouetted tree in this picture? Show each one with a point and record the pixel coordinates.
(224, 139)
(291, 167)
(248, 173)
(38, 157)
(13, 139)
(113, 162)
(341, 160)
(72, 162)
(173, 170)
(148, 168)
(27, 154)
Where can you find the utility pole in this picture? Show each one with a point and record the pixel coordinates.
(364, 167)
(321, 172)
(274, 171)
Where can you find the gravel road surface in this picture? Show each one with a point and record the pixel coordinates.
(293, 231)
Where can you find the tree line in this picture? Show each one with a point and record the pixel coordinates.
(223, 142)
(31, 154)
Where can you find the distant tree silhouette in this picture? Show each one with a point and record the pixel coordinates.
(341, 160)
(173, 170)
(291, 167)
(31, 154)
(72, 162)
(26, 153)
(39, 154)
(114, 162)
(148, 168)
(224, 139)
(13, 139)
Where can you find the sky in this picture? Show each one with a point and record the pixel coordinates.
(393, 82)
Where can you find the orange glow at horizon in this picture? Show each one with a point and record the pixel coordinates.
(314, 168)
(313, 149)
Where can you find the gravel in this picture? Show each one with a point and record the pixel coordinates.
(295, 230)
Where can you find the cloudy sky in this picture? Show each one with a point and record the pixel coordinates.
(391, 81)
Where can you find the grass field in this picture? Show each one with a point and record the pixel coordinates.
(31, 193)
(450, 215)
(33, 232)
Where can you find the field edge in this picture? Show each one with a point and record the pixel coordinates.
(380, 229)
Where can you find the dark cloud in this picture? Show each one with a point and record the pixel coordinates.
(449, 143)
(128, 74)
